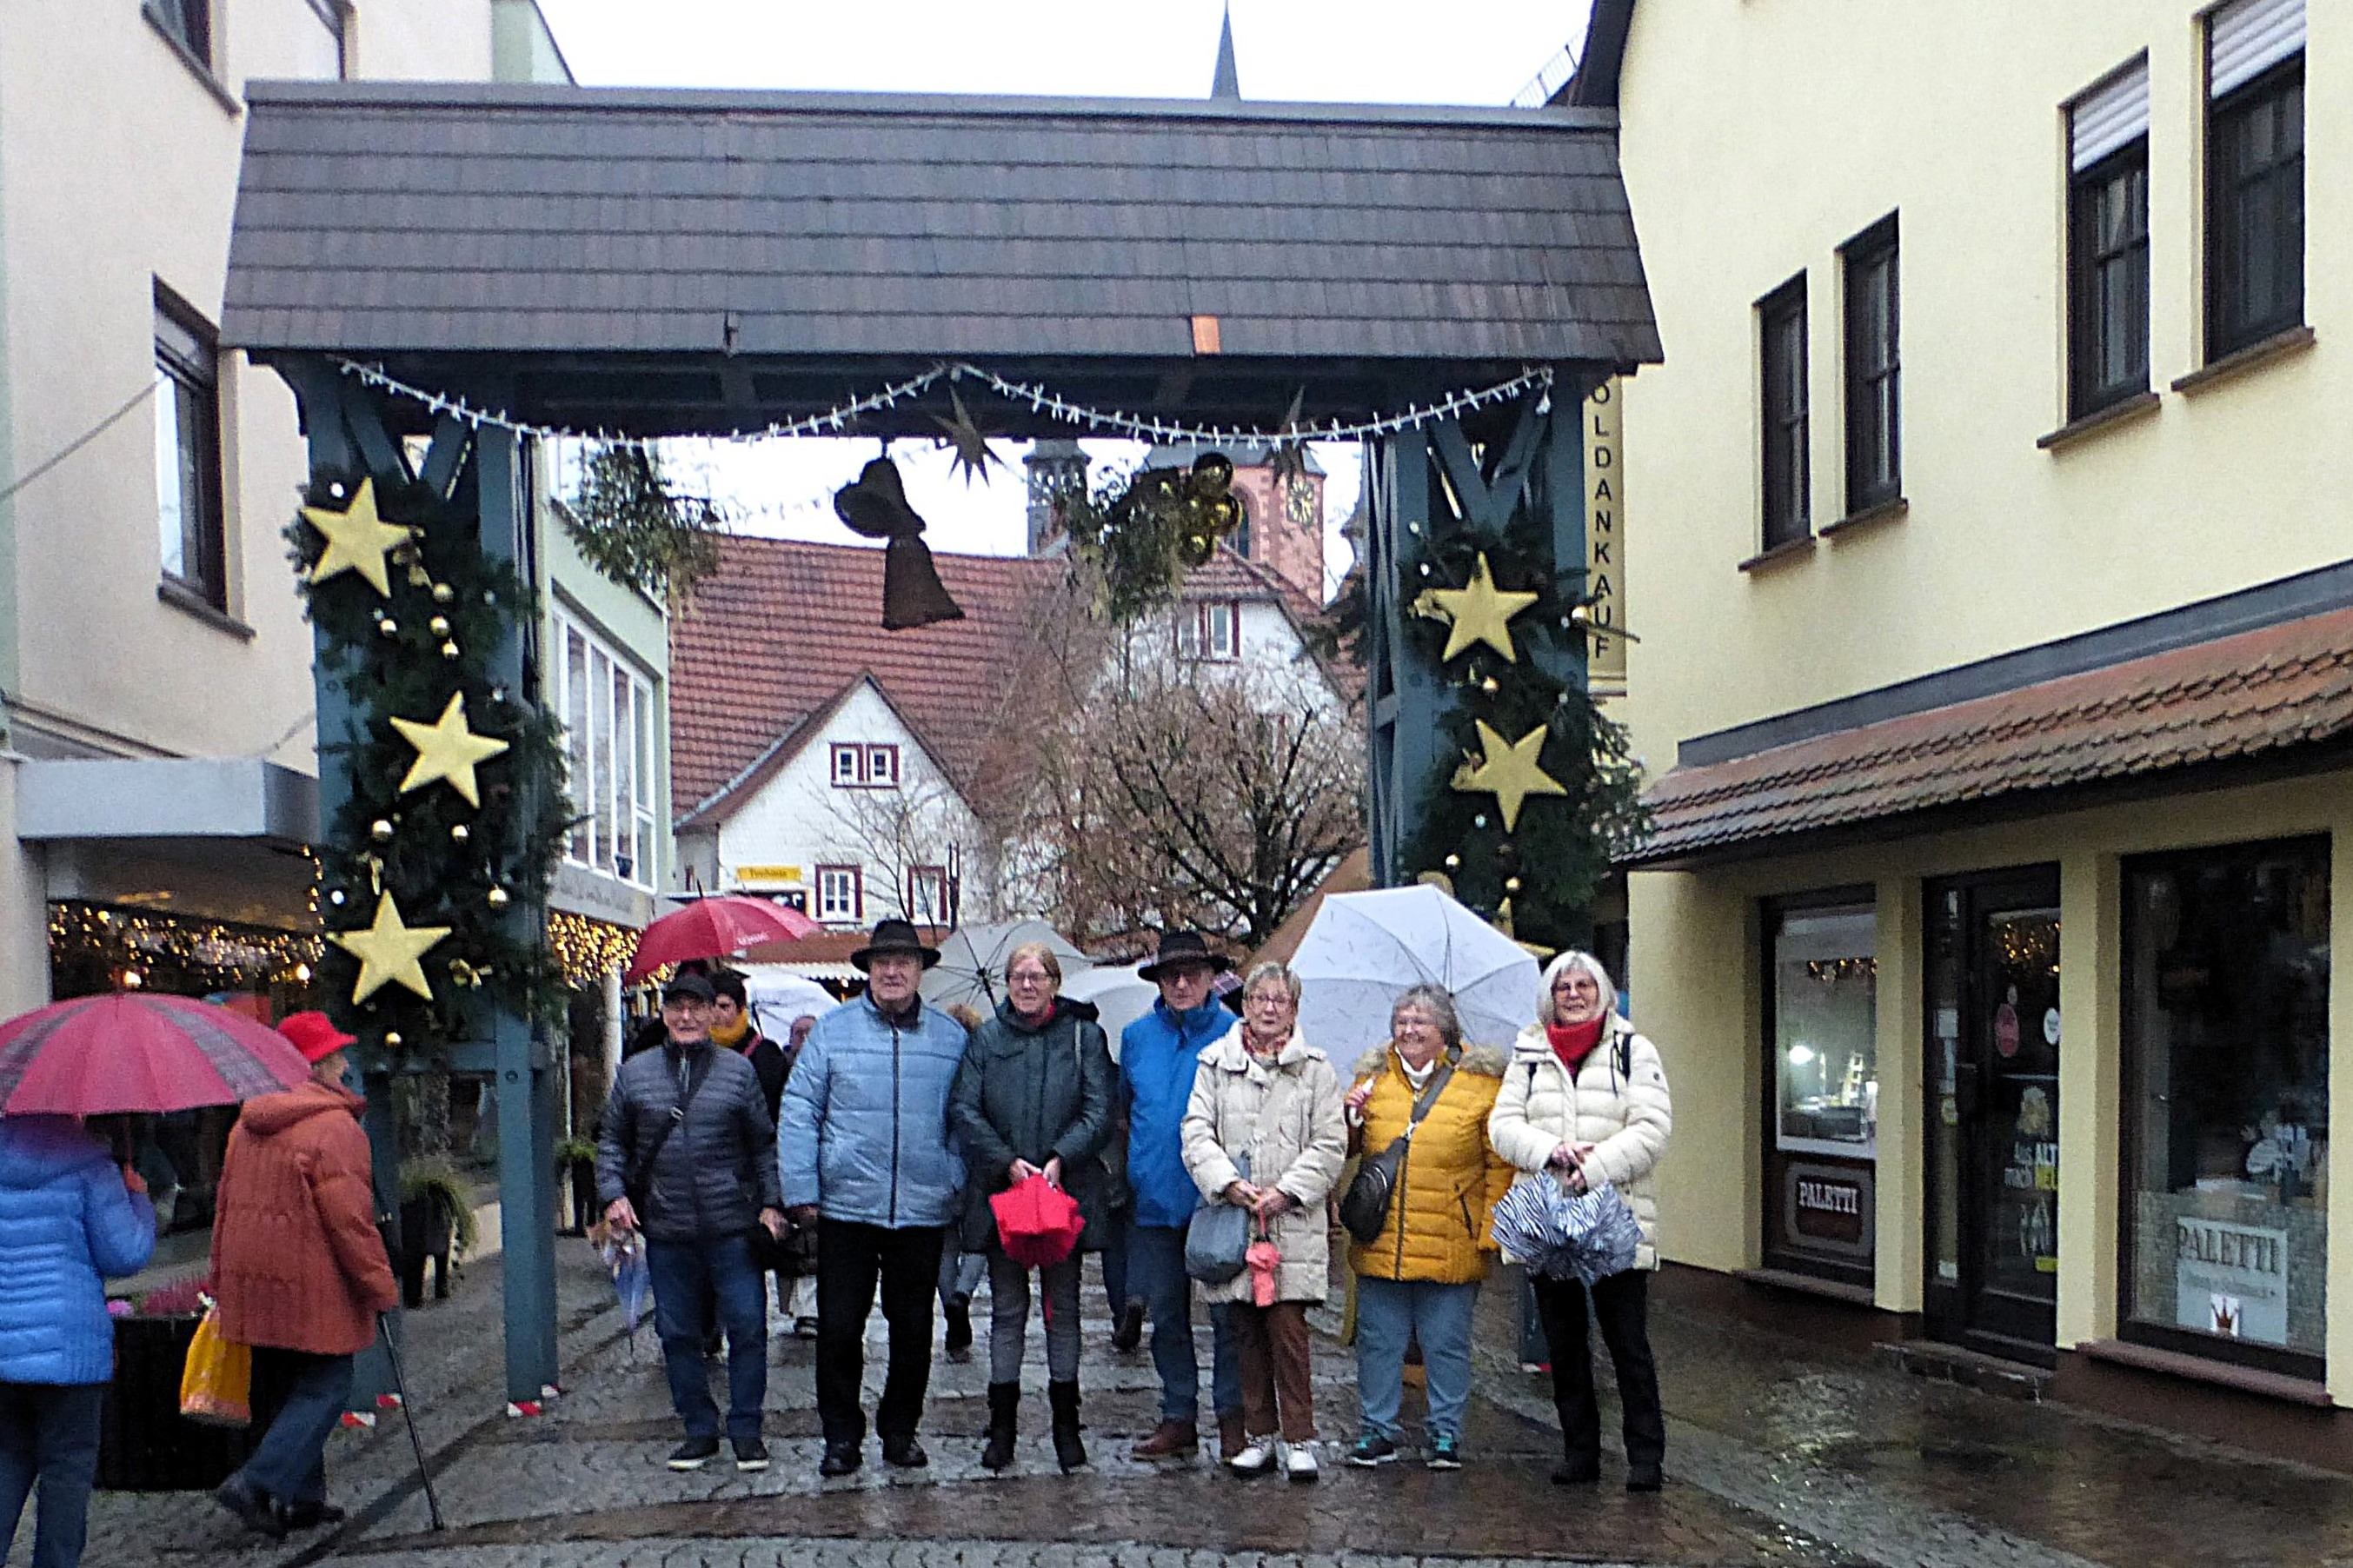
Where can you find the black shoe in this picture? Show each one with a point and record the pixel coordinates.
(253, 1510)
(1068, 1451)
(751, 1454)
(1128, 1332)
(905, 1454)
(1004, 1406)
(958, 1312)
(1371, 1448)
(311, 1515)
(840, 1459)
(693, 1454)
(1644, 1477)
(1576, 1472)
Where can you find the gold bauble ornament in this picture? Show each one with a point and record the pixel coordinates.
(388, 952)
(392, 1039)
(447, 748)
(500, 898)
(460, 834)
(1511, 884)
(1488, 685)
(443, 593)
(449, 650)
(1454, 862)
(439, 626)
(1511, 771)
(388, 626)
(1481, 613)
(380, 830)
(357, 540)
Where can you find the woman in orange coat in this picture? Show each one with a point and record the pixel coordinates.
(299, 1273)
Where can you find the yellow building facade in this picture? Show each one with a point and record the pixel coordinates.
(1991, 552)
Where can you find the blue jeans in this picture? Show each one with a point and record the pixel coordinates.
(1390, 1313)
(1114, 1260)
(1155, 1261)
(300, 1398)
(49, 1433)
(685, 1274)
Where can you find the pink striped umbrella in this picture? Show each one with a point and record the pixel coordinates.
(138, 1050)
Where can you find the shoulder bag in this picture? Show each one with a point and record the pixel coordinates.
(1365, 1207)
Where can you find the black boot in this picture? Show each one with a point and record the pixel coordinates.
(1063, 1398)
(1004, 1408)
(957, 1310)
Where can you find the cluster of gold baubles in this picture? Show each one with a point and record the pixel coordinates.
(1195, 505)
(390, 950)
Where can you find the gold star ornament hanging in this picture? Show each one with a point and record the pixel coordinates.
(447, 750)
(357, 540)
(1509, 771)
(389, 950)
(1481, 613)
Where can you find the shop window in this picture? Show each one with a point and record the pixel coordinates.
(1874, 405)
(1822, 1024)
(188, 452)
(1781, 331)
(2107, 243)
(2254, 172)
(841, 893)
(2226, 1050)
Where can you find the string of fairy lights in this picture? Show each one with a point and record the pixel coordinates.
(840, 419)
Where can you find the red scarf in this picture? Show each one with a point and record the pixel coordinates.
(1572, 1043)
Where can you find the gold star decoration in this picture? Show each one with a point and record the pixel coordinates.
(447, 750)
(1481, 613)
(1511, 771)
(972, 450)
(388, 952)
(357, 540)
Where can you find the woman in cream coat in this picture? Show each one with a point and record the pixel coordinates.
(1264, 1092)
(1584, 1102)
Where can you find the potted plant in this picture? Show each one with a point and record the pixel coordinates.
(437, 1222)
(575, 1160)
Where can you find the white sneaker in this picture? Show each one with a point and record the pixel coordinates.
(1298, 1462)
(1257, 1457)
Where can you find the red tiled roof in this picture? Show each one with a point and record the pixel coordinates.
(784, 628)
(2234, 698)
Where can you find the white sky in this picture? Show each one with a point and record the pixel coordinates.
(1369, 51)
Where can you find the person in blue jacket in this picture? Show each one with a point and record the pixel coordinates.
(1158, 1056)
(862, 1149)
(69, 1219)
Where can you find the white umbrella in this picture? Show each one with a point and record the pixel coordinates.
(778, 996)
(1364, 949)
(971, 969)
(1120, 995)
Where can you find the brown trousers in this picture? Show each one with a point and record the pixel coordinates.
(1274, 1355)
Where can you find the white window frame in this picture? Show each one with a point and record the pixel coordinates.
(927, 894)
(612, 788)
(830, 881)
(1210, 632)
(863, 764)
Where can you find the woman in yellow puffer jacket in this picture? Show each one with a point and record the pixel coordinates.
(1418, 1278)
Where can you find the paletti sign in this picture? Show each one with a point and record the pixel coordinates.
(2231, 1279)
(1828, 1208)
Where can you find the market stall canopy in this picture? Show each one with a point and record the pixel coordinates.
(730, 258)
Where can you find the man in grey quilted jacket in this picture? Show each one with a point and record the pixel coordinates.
(686, 1155)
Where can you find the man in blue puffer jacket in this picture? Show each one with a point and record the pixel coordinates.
(1159, 1054)
(69, 1219)
(862, 1149)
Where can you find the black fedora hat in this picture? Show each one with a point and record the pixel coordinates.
(894, 936)
(1179, 948)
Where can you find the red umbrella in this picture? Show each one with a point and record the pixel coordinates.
(1037, 1222)
(717, 928)
(138, 1050)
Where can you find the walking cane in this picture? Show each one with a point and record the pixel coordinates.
(400, 1386)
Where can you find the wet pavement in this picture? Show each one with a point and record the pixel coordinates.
(1781, 1453)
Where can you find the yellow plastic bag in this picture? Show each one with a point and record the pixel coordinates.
(216, 1384)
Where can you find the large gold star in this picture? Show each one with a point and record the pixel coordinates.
(445, 749)
(357, 540)
(1481, 613)
(1513, 772)
(389, 950)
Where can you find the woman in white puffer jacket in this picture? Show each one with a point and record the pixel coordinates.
(1585, 1101)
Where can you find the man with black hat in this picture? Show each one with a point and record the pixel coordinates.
(1159, 1054)
(862, 1149)
(686, 1154)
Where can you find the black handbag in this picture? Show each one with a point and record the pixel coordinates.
(1365, 1207)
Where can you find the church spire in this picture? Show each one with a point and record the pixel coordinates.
(1228, 82)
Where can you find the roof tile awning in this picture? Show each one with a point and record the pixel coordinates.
(2235, 698)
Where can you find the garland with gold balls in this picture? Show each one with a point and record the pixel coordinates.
(1534, 790)
(456, 808)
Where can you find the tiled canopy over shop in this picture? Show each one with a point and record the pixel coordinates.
(673, 263)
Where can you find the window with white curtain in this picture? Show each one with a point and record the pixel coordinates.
(607, 708)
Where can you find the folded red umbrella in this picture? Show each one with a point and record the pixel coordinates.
(139, 1050)
(1037, 1222)
(1264, 1259)
(717, 928)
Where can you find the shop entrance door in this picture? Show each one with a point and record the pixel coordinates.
(1993, 1037)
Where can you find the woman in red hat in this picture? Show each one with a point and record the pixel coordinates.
(299, 1273)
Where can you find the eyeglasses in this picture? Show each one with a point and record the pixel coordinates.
(1030, 977)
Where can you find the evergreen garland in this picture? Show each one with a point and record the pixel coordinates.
(484, 873)
(1564, 845)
